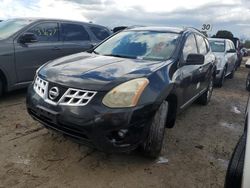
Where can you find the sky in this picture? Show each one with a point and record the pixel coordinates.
(232, 15)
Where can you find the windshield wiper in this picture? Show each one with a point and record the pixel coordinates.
(122, 56)
(95, 52)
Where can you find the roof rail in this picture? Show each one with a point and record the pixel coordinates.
(193, 29)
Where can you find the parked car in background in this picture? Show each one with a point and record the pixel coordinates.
(26, 44)
(226, 58)
(123, 93)
(238, 172)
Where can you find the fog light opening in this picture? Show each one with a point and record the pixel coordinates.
(117, 136)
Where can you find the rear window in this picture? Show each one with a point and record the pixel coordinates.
(100, 33)
(45, 32)
(217, 46)
(74, 32)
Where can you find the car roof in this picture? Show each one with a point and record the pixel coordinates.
(58, 20)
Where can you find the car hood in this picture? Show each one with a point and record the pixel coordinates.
(219, 54)
(95, 72)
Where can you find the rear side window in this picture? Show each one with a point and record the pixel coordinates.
(100, 33)
(207, 44)
(74, 32)
(201, 45)
(190, 47)
(46, 32)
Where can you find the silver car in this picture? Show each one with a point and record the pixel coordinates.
(226, 58)
(28, 43)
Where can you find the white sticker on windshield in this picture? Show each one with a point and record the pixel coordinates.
(219, 43)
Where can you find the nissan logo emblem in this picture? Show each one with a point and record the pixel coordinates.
(53, 93)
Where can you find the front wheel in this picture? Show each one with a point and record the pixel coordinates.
(205, 98)
(1, 87)
(248, 82)
(231, 75)
(153, 144)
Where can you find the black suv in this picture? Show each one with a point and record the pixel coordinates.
(122, 94)
(28, 43)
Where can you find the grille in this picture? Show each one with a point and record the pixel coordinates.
(70, 96)
(41, 87)
(75, 97)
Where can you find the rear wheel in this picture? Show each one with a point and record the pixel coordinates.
(231, 75)
(153, 144)
(222, 79)
(236, 165)
(204, 99)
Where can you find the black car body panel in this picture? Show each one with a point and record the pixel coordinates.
(99, 125)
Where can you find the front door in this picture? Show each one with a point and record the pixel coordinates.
(30, 56)
(75, 38)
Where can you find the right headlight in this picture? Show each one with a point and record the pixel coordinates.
(126, 94)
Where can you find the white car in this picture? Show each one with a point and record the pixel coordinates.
(226, 58)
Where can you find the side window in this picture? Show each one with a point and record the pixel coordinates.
(74, 32)
(100, 33)
(190, 47)
(45, 32)
(201, 45)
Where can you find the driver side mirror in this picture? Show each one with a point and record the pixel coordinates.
(247, 65)
(231, 51)
(28, 38)
(195, 59)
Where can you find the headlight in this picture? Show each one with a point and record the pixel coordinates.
(126, 94)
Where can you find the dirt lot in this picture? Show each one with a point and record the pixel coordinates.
(198, 148)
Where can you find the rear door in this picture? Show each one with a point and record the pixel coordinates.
(100, 33)
(75, 38)
(229, 57)
(30, 56)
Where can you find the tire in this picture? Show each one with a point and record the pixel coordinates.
(1, 87)
(236, 165)
(222, 79)
(205, 98)
(231, 75)
(248, 82)
(153, 144)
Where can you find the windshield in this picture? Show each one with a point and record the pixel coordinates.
(217, 46)
(9, 27)
(149, 45)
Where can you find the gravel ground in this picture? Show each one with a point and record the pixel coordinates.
(196, 151)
